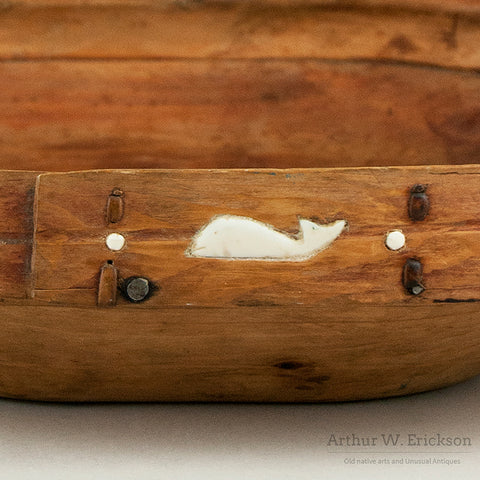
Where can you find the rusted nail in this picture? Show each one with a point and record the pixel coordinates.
(115, 206)
(418, 203)
(107, 286)
(137, 289)
(412, 277)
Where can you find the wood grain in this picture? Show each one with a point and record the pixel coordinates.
(337, 347)
(16, 233)
(207, 114)
(443, 33)
(336, 352)
(219, 86)
(164, 210)
(467, 6)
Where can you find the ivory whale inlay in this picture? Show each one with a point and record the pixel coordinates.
(236, 237)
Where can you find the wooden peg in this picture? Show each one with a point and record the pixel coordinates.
(107, 286)
(115, 206)
(418, 203)
(412, 278)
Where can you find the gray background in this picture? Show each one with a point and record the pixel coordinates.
(232, 441)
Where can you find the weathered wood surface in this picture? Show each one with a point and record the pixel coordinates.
(16, 233)
(123, 84)
(164, 209)
(445, 33)
(82, 115)
(337, 347)
(276, 83)
(336, 352)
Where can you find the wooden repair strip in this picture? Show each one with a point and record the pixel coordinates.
(167, 210)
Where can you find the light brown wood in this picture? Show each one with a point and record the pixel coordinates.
(286, 88)
(335, 352)
(467, 6)
(164, 210)
(238, 84)
(443, 33)
(348, 341)
(107, 285)
(217, 114)
(16, 233)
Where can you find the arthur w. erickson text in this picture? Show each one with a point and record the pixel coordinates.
(396, 439)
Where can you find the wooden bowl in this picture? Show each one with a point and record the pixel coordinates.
(273, 202)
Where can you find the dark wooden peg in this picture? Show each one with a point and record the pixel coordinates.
(115, 206)
(412, 277)
(418, 203)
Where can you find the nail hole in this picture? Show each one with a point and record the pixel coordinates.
(110, 262)
(395, 240)
(115, 241)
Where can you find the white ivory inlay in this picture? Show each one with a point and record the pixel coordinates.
(235, 237)
(395, 240)
(115, 241)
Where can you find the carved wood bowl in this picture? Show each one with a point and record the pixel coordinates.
(269, 202)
